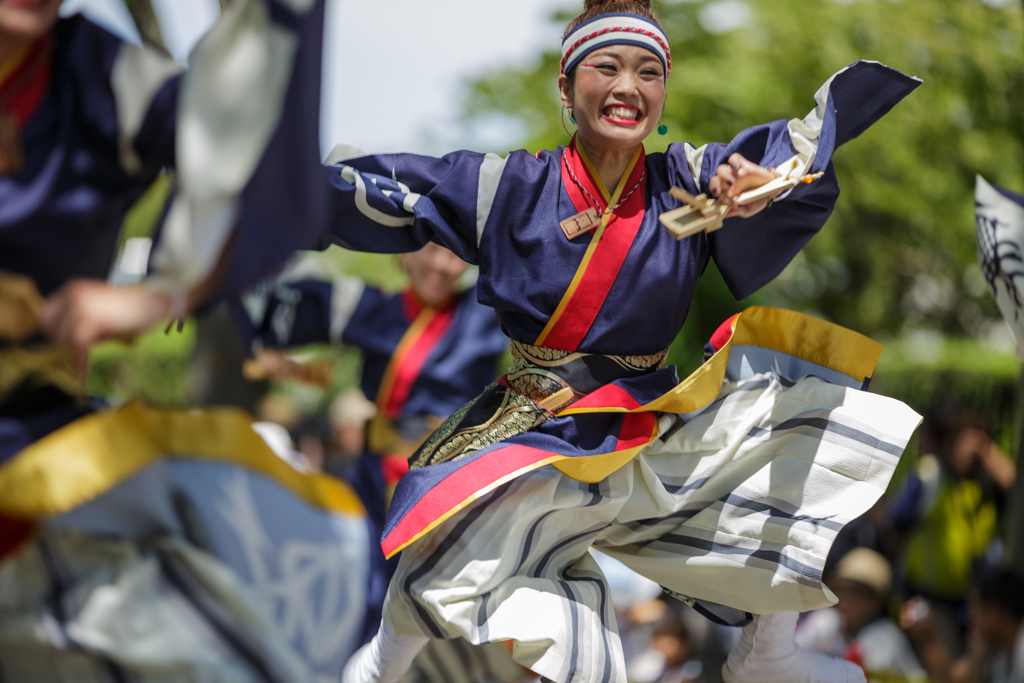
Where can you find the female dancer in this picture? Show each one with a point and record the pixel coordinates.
(726, 505)
(426, 352)
(734, 494)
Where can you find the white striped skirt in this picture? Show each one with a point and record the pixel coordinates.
(737, 506)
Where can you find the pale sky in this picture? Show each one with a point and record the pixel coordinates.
(395, 69)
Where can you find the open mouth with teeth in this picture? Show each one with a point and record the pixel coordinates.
(623, 115)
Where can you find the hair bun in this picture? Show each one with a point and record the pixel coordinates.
(595, 8)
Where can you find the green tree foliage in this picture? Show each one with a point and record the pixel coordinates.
(899, 253)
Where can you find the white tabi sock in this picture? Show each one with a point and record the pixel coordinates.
(767, 653)
(385, 659)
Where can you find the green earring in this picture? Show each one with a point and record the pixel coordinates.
(662, 129)
(571, 118)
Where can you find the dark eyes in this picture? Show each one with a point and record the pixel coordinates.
(611, 69)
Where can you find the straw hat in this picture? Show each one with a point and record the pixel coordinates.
(867, 567)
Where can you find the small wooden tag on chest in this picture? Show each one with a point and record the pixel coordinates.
(581, 223)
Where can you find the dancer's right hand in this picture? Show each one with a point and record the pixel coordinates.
(738, 176)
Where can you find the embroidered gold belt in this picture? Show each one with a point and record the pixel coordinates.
(538, 375)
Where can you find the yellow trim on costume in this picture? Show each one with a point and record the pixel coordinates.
(594, 241)
(594, 468)
(598, 180)
(387, 384)
(811, 339)
(589, 470)
(92, 455)
(788, 332)
(8, 67)
(785, 331)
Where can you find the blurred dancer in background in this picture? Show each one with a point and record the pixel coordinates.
(426, 352)
(131, 545)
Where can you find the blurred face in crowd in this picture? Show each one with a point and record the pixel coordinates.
(434, 272)
(24, 21)
(858, 605)
(617, 94)
(675, 649)
(967, 451)
(349, 438)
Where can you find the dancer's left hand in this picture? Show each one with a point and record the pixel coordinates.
(86, 312)
(735, 178)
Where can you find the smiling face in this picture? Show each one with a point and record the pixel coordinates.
(27, 20)
(617, 95)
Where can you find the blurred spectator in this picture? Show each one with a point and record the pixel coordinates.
(948, 512)
(996, 640)
(311, 436)
(646, 616)
(857, 628)
(867, 531)
(670, 656)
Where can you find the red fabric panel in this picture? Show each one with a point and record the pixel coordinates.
(723, 334)
(636, 430)
(586, 303)
(411, 364)
(608, 396)
(458, 486)
(13, 534)
(393, 467)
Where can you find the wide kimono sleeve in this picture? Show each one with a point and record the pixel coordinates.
(751, 252)
(305, 304)
(396, 203)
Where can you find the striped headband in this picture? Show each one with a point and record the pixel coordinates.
(619, 28)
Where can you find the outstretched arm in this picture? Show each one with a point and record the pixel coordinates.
(393, 203)
(752, 252)
(305, 304)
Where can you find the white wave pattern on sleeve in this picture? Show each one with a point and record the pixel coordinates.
(804, 134)
(350, 175)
